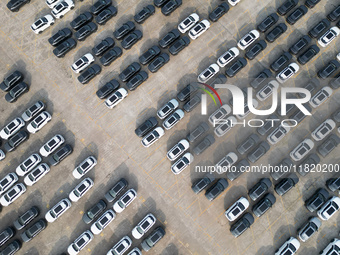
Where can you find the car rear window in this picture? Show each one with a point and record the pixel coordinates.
(180, 164)
(236, 211)
(201, 184)
(259, 191)
(11, 125)
(126, 199)
(80, 242)
(286, 186)
(26, 216)
(3, 182)
(120, 248)
(155, 237)
(85, 165)
(103, 220)
(145, 225)
(12, 193)
(186, 22)
(321, 97)
(58, 209)
(302, 151)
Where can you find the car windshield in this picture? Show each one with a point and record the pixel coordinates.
(302, 151)
(126, 199)
(248, 38)
(120, 248)
(58, 209)
(329, 35)
(59, 7)
(145, 225)
(80, 242)
(113, 98)
(79, 62)
(287, 72)
(186, 22)
(236, 211)
(180, 164)
(197, 28)
(167, 38)
(150, 138)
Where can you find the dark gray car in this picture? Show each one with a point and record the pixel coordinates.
(258, 152)
(276, 32)
(110, 56)
(261, 78)
(106, 14)
(284, 167)
(197, 132)
(308, 164)
(297, 47)
(171, 6)
(286, 184)
(328, 145)
(256, 49)
(204, 144)
(12, 248)
(248, 143)
(137, 80)
(311, 86)
(33, 230)
(85, 31)
(60, 155)
(218, 12)
(264, 205)
(14, 141)
(268, 22)
(319, 28)
(236, 67)
(333, 184)
(259, 188)
(335, 83)
(202, 183)
(64, 47)
(188, 91)
(103, 46)
(299, 116)
(107, 89)
(119, 187)
(317, 200)
(131, 39)
(5, 235)
(179, 45)
(26, 218)
(286, 7)
(11, 80)
(158, 62)
(192, 103)
(216, 189)
(240, 226)
(89, 74)
(17, 91)
(124, 30)
(328, 69)
(128, 72)
(81, 20)
(281, 61)
(94, 211)
(60, 36)
(146, 126)
(149, 55)
(100, 5)
(153, 238)
(145, 13)
(169, 38)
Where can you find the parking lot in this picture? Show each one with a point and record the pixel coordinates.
(193, 225)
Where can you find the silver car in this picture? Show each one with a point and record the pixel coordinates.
(121, 247)
(173, 119)
(321, 96)
(33, 111)
(302, 149)
(178, 149)
(309, 229)
(29, 163)
(323, 130)
(219, 114)
(182, 163)
(277, 135)
(166, 109)
(7, 182)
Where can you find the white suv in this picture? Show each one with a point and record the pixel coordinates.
(248, 39)
(166, 109)
(116, 97)
(228, 56)
(80, 243)
(56, 211)
(182, 163)
(329, 36)
(62, 8)
(51, 145)
(291, 246)
(12, 194)
(321, 96)
(277, 135)
(288, 72)
(178, 149)
(302, 149)
(84, 167)
(199, 29)
(143, 226)
(188, 23)
(329, 208)
(81, 189)
(124, 200)
(323, 130)
(36, 174)
(267, 90)
(42, 24)
(208, 73)
(102, 222)
(39, 122)
(12, 128)
(234, 211)
(82, 63)
(152, 137)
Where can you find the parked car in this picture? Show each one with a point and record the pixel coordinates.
(98, 226)
(143, 226)
(320, 97)
(296, 15)
(25, 218)
(216, 189)
(106, 14)
(333, 184)
(267, 90)
(89, 74)
(42, 24)
(63, 48)
(280, 62)
(121, 247)
(329, 36)
(226, 162)
(179, 45)
(85, 31)
(248, 144)
(202, 183)
(15, 5)
(335, 83)
(233, 2)
(27, 165)
(332, 247)
(319, 28)
(208, 73)
(237, 66)
(291, 246)
(286, 7)
(308, 164)
(12, 194)
(268, 22)
(107, 89)
(170, 7)
(131, 39)
(222, 129)
(204, 144)
(259, 188)
(39, 122)
(81, 189)
(218, 12)
(83, 62)
(219, 114)
(328, 145)
(276, 32)
(297, 47)
(15, 140)
(248, 39)
(228, 56)
(103, 46)
(182, 163)
(94, 211)
(145, 13)
(16, 92)
(33, 230)
(11, 80)
(300, 151)
(124, 200)
(56, 211)
(32, 111)
(288, 72)
(311, 86)
(310, 53)
(264, 205)
(317, 199)
(286, 184)
(124, 30)
(268, 125)
(235, 211)
(50, 146)
(81, 20)
(155, 236)
(100, 5)
(335, 14)
(242, 225)
(84, 167)
(199, 29)
(197, 132)
(110, 56)
(149, 55)
(329, 69)
(258, 152)
(166, 109)
(12, 128)
(239, 170)
(158, 62)
(311, 3)
(299, 116)
(277, 135)
(261, 78)
(117, 189)
(129, 71)
(60, 155)
(36, 174)
(188, 23)
(323, 130)
(187, 91)
(256, 49)
(115, 98)
(173, 119)
(60, 36)
(169, 38)
(7, 182)
(6, 234)
(12, 248)
(62, 8)
(329, 208)
(80, 243)
(146, 126)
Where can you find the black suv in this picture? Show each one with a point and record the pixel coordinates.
(145, 13)
(60, 36)
(86, 31)
(268, 22)
(149, 55)
(281, 61)
(169, 38)
(242, 225)
(103, 46)
(256, 49)
(286, 184)
(64, 47)
(297, 14)
(117, 189)
(60, 155)
(319, 28)
(124, 30)
(16, 140)
(89, 74)
(128, 72)
(81, 20)
(15, 5)
(216, 189)
(146, 127)
(202, 183)
(259, 188)
(264, 205)
(287, 7)
(100, 5)
(276, 32)
(310, 53)
(300, 45)
(317, 200)
(110, 56)
(107, 89)
(11, 80)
